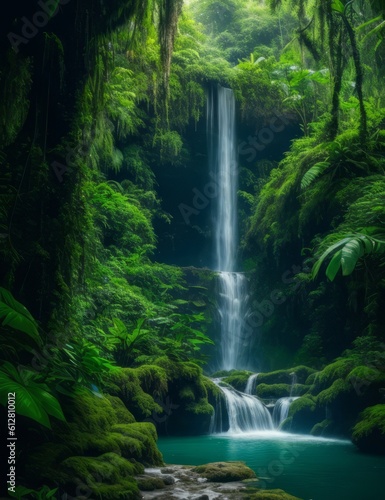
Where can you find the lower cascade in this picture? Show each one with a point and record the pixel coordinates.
(281, 410)
(245, 412)
(251, 383)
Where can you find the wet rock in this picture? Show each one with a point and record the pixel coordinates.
(225, 472)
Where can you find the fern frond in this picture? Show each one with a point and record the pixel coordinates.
(313, 173)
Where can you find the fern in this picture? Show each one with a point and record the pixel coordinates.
(313, 173)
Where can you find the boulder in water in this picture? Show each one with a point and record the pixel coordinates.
(225, 472)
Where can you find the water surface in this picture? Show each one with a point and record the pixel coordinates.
(310, 468)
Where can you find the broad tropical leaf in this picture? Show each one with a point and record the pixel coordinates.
(17, 316)
(32, 397)
(347, 252)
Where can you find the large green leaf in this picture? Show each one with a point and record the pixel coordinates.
(17, 316)
(32, 398)
(347, 252)
(334, 265)
(350, 253)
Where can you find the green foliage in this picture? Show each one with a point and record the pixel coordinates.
(78, 364)
(34, 399)
(16, 316)
(44, 493)
(369, 432)
(347, 252)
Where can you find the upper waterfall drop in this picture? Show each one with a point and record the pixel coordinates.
(233, 289)
(226, 172)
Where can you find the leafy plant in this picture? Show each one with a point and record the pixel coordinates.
(16, 316)
(128, 343)
(347, 251)
(33, 398)
(45, 493)
(78, 363)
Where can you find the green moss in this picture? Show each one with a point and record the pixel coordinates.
(187, 370)
(369, 432)
(337, 370)
(338, 389)
(266, 391)
(150, 483)
(153, 379)
(125, 384)
(225, 471)
(285, 376)
(213, 390)
(238, 379)
(270, 495)
(126, 490)
(109, 474)
(202, 407)
(91, 413)
(302, 404)
(187, 394)
(321, 428)
(365, 375)
(143, 435)
(122, 414)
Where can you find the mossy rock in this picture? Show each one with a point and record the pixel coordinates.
(285, 376)
(125, 384)
(322, 428)
(339, 389)
(123, 416)
(153, 379)
(213, 390)
(186, 394)
(275, 494)
(91, 413)
(141, 437)
(149, 483)
(273, 391)
(224, 472)
(369, 432)
(339, 369)
(238, 379)
(179, 370)
(303, 415)
(108, 476)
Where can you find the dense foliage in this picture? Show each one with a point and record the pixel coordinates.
(102, 135)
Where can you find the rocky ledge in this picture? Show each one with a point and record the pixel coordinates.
(214, 481)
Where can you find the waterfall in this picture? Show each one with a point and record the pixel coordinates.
(294, 380)
(246, 413)
(251, 383)
(232, 286)
(232, 299)
(281, 410)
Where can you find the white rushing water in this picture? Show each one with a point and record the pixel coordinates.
(233, 298)
(281, 410)
(251, 383)
(245, 412)
(233, 294)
